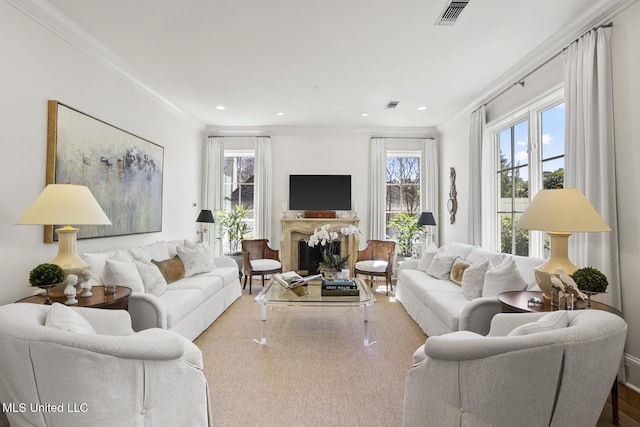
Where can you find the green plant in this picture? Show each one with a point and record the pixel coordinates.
(233, 225)
(408, 230)
(46, 274)
(590, 279)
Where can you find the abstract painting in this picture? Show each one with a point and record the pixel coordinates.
(122, 170)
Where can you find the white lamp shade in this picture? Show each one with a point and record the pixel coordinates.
(65, 204)
(564, 210)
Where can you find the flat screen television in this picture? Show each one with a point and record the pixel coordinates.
(320, 192)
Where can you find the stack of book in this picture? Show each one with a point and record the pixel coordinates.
(339, 288)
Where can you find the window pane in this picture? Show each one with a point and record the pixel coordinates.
(553, 173)
(553, 132)
(505, 149)
(506, 187)
(521, 145)
(521, 182)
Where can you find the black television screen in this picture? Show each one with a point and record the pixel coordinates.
(320, 192)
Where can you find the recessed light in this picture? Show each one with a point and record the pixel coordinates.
(279, 113)
(364, 114)
(422, 108)
(220, 107)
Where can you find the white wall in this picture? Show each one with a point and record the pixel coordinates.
(454, 138)
(38, 66)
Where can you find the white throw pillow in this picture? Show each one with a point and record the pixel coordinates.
(548, 322)
(153, 280)
(427, 258)
(473, 279)
(441, 264)
(122, 273)
(457, 270)
(140, 254)
(196, 260)
(505, 277)
(66, 319)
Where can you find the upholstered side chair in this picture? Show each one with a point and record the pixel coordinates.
(376, 260)
(259, 260)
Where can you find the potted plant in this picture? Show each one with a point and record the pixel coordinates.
(590, 279)
(408, 230)
(46, 276)
(332, 262)
(233, 229)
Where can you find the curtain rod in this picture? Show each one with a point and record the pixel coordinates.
(520, 81)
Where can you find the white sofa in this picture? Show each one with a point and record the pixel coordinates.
(440, 306)
(187, 306)
(532, 369)
(64, 366)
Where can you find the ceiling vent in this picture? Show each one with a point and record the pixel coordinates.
(451, 12)
(391, 105)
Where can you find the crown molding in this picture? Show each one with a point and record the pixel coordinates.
(46, 15)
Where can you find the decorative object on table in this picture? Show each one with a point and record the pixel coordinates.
(327, 239)
(45, 276)
(70, 290)
(67, 204)
(427, 219)
(339, 288)
(205, 217)
(123, 171)
(559, 212)
(408, 230)
(452, 203)
(591, 281)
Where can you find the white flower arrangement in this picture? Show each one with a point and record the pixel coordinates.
(327, 239)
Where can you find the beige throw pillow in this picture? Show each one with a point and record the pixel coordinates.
(171, 269)
(457, 270)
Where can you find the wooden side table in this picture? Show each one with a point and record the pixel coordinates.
(518, 302)
(117, 301)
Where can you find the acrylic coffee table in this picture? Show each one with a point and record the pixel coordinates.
(275, 295)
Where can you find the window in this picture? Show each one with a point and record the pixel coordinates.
(403, 196)
(530, 158)
(238, 184)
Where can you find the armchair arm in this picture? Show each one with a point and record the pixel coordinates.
(147, 311)
(271, 253)
(477, 314)
(107, 322)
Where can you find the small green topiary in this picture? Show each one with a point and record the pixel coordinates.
(590, 279)
(46, 274)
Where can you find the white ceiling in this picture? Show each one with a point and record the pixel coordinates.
(323, 63)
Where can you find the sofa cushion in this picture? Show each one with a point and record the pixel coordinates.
(96, 261)
(457, 270)
(154, 282)
(447, 306)
(502, 278)
(473, 279)
(479, 254)
(196, 260)
(171, 269)
(427, 257)
(457, 248)
(373, 265)
(159, 250)
(548, 322)
(526, 266)
(441, 264)
(180, 302)
(122, 273)
(227, 274)
(207, 283)
(66, 319)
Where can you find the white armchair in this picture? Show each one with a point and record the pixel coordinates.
(54, 377)
(558, 377)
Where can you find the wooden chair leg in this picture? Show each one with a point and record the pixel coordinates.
(245, 282)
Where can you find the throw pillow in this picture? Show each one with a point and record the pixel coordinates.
(171, 269)
(154, 282)
(457, 270)
(440, 267)
(505, 277)
(473, 279)
(427, 258)
(196, 260)
(548, 322)
(66, 319)
(122, 273)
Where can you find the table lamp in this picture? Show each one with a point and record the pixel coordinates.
(559, 212)
(66, 204)
(426, 218)
(205, 216)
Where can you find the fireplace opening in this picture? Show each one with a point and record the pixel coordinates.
(309, 258)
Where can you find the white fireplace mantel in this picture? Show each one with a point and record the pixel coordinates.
(295, 229)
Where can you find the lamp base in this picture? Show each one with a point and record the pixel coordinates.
(558, 260)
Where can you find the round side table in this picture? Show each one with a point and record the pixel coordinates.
(117, 301)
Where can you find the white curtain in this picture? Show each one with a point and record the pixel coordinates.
(476, 133)
(377, 189)
(263, 195)
(489, 205)
(589, 151)
(429, 182)
(213, 168)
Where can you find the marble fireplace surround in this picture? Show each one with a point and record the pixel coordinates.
(295, 229)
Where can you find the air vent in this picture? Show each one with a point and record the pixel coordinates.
(452, 12)
(391, 105)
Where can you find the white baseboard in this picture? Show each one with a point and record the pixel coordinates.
(631, 373)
